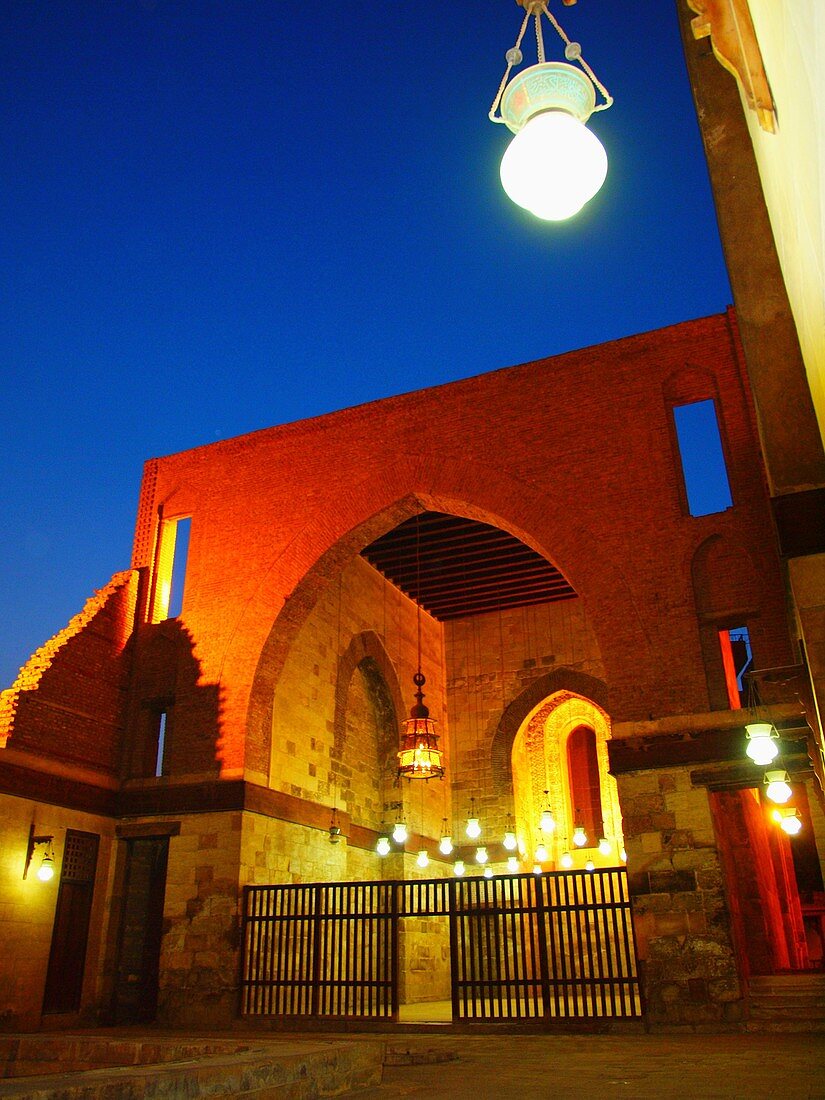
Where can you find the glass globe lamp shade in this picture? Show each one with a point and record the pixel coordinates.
(513, 865)
(473, 828)
(777, 786)
(422, 859)
(604, 846)
(541, 853)
(45, 871)
(762, 742)
(399, 832)
(459, 868)
(481, 855)
(566, 861)
(383, 846)
(791, 823)
(547, 823)
(488, 872)
(537, 869)
(445, 845)
(510, 841)
(579, 837)
(590, 865)
(553, 166)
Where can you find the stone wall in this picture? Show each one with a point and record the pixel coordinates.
(27, 908)
(680, 915)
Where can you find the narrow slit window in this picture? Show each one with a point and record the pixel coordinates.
(178, 580)
(161, 742)
(737, 659)
(703, 461)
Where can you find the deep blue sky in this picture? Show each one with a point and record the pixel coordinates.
(219, 216)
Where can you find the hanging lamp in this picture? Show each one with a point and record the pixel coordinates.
(419, 756)
(554, 164)
(547, 823)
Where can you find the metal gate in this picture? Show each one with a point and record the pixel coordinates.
(557, 946)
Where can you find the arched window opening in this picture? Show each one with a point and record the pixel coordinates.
(585, 788)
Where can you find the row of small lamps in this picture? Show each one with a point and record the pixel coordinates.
(763, 749)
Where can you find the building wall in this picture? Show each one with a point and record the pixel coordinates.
(791, 165)
(27, 909)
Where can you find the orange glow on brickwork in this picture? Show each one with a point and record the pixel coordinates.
(31, 674)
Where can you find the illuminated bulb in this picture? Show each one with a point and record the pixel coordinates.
(590, 865)
(383, 846)
(604, 846)
(579, 837)
(45, 871)
(536, 868)
(481, 855)
(458, 868)
(623, 855)
(553, 166)
(488, 872)
(566, 861)
(541, 853)
(778, 788)
(473, 828)
(445, 845)
(762, 742)
(513, 865)
(791, 822)
(547, 823)
(422, 859)
(399, 833)
(510, 841)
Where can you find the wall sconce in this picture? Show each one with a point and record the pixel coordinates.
(334, 828)
(45, 871)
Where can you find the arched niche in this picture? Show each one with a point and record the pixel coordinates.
(541, 762)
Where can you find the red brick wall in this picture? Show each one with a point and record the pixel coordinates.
(68, 701)
(574, 455)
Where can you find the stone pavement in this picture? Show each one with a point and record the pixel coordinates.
(667, 1066)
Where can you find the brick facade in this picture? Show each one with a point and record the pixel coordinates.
(284, 679)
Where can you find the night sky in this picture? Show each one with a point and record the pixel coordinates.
(219, 216)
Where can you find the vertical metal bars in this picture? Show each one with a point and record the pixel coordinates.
(556, 946)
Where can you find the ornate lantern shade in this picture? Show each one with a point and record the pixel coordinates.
(419, 756)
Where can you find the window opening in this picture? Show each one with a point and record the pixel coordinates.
(585, 787)
(178, 575)
(161, 742)
(703, 461)
(737, 659)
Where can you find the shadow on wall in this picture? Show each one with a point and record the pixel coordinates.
(177, 716)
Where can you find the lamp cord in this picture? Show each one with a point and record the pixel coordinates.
(514, 57)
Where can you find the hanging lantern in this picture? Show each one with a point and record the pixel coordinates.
(579, 836)
(762, 745)
(399, 833)
(445, 845)
(488, 872)
(510, 841)
(419, 756)
(423, 859)
(778, 785)
(513, 865)
(547, 823)
(541, 853)
(566, 861)
(481, 855)
(459, 868)
(383, 846)
(604, 846)
(473, 829)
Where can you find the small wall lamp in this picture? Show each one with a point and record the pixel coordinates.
(45, 871)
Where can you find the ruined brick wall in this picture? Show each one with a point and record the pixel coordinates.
(575, 455)
(68, 702)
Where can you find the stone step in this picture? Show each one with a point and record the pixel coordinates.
(790, 1010)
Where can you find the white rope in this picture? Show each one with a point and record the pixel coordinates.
(608, 98)
(506, 77)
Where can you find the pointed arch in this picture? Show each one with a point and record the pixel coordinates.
(559, 680)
